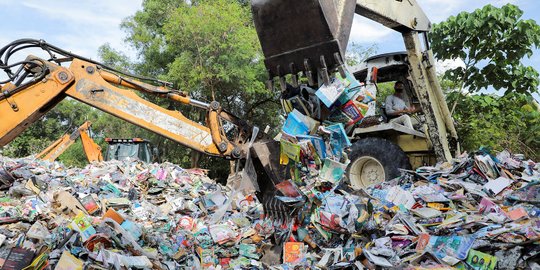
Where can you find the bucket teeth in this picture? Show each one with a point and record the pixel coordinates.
(341, 66)
(283, 83)
(294, 75)
(324, 71)
(309, 72)
(278, 211)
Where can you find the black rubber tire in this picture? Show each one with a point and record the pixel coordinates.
(389, 154)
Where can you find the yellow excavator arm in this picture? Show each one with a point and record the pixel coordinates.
(38, 85)
(91, 148)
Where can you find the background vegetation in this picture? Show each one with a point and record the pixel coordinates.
(492, 43)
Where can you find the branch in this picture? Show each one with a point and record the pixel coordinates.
(257, 104)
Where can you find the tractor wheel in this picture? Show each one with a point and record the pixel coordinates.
(374, 160)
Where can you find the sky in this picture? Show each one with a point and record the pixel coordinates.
(82, 26)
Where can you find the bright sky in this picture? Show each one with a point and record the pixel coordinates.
(82, 26)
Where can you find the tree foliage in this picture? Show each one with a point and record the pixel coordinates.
(357, 53)
(209, 49)
(511, 122)
(492, 42)
(114, 58)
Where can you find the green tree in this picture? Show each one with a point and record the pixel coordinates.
(207, 48)
(356, 53)
(492, 42)
(114, 58)
(509, 122)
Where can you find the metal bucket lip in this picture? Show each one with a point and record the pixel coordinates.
(293, 32)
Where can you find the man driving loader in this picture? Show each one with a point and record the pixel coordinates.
(396, 109)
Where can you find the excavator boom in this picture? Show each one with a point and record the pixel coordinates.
(91, 149)
(23, 102)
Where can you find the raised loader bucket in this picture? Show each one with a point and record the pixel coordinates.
(303, 35)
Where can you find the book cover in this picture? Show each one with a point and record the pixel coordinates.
(18, 258)
(294, 253)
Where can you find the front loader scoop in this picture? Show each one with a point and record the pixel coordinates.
(308, 36)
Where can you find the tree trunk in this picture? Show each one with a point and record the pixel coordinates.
(195, 159)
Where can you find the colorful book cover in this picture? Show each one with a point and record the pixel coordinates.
(288, 188)
(481, 261)
(423, 241)
(452, 246)
(331, 222)
(353, 112)
(89, 204)
(207, 256)
(82, 224)
(294, 125)
(332, 171)
(317, 142)
(338, 139)
(351, 90)
(294, 253)
(517, 214)
(291, 150)
(338, 133)
(330, 93)
(249, 251)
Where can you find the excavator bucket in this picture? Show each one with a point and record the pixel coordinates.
(270, 173)
(307, 36)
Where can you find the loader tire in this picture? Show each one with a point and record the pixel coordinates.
(374, 160)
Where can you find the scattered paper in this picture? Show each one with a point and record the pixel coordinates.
(69, 262)
(377, 260)
(426, 212)
(496, 186)
(399, 196)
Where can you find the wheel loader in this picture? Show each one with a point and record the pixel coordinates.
(308, 38)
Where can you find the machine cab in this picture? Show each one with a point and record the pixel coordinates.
(389, 67)
(141, 149)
